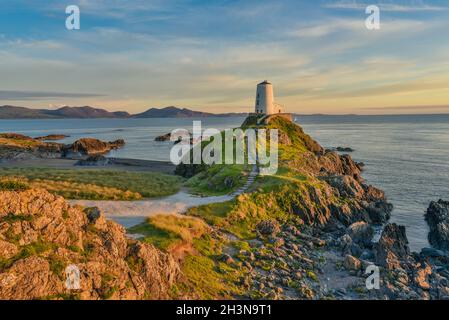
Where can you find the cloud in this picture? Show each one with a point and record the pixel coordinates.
(388, 7)
(11, 95)
(410, 108)
(356, 27)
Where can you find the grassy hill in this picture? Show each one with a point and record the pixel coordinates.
(264, 243)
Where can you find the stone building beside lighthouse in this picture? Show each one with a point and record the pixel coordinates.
(265, 100)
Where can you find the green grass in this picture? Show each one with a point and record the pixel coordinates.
(13, 185)
(11, 218)
(18, 141)
(165, 231)
(92, 184)
(219, 179)
(214, 214)
(32, 249)
(206, 276)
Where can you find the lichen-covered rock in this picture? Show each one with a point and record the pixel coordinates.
(90, 146)
(20, 147)
(361, 233)
(351, 263)
(41, 236)
(437, 217)
(392, 248)
(334, 164)
(268, 228)
(422, 276)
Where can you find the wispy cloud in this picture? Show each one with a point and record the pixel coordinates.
(388, 7)
(357, 26)
(11, 95)
(210, 54)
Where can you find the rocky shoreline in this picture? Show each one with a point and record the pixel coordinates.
(313, 238)
(332, 252)
(19, 147)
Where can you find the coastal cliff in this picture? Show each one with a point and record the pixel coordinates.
(41, 235)
(308, 232)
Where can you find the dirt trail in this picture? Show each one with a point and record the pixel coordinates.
(130, 213)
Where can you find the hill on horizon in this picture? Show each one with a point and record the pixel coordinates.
(86, 112)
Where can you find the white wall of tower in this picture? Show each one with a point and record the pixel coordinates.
(265, 98)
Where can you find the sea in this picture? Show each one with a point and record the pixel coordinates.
(405, 155)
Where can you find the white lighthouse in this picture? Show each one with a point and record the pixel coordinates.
(265, 100)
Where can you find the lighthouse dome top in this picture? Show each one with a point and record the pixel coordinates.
(265, 82)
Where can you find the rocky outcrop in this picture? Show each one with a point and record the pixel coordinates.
(52, 137)
(334, 164)
(164, 137)
(361, 233)
(437, 217)
(16, 146)
(43, 239)
(268, 228)
(392, 248)
(97, 160)
(90, 146)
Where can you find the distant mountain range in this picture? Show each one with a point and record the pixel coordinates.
(12, 112)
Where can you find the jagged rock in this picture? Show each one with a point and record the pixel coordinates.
(344, 149)
(347, 186)
(20, 147)
(421, 277)
(41, 235)
(52, 137)
(95, 160)
(284, 139)
(392, 248)
(379, 212)
(90, 146)
(268, 228)
(352, 263)
(8, 249)
(437, 217)
(164, 137)
(434, 253)
(361, 233)
(373, 194)
(335, 164)
(340, 149)
(226, 258)
(345, 243)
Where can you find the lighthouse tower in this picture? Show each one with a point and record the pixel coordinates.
(265, 99)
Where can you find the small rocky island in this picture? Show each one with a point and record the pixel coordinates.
(15, 146)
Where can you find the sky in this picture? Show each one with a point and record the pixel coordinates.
(209, 55)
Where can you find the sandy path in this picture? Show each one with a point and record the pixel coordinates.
(177, 203)
(130, 213)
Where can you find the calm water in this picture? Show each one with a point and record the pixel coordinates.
(407, 156)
